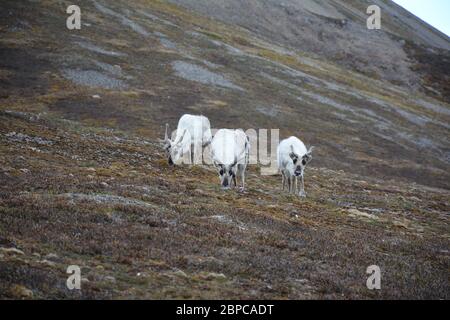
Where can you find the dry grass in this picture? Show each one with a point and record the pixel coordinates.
(178, 231)
(102, 196)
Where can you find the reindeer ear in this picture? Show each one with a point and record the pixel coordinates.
(292, 154)
(307, 158)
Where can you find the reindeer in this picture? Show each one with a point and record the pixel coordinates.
(230, 151)
(192, 133)
(292, 160)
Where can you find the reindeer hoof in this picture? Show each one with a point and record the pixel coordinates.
(302, 194)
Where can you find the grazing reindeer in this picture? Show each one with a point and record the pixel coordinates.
(292, 160)
(230, 151)
(192, 133)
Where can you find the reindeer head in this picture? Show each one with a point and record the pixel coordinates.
(300, 163)
(173, 149)
(227, 172)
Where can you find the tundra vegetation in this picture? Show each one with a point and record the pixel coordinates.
(84, 180)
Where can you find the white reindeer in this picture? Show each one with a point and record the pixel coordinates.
(193, 132)
(230, 151)
(292, 160)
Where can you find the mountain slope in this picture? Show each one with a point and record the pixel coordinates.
(336, 31)
(84, 180)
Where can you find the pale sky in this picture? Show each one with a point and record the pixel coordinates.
(434, 12)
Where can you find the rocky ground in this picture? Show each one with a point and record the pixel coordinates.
(83, 179)
(335, 30)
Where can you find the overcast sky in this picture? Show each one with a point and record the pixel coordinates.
(435, 12)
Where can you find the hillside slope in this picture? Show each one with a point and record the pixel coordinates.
(84, 180)
(336, 31)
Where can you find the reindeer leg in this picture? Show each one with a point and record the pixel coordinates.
(283, 179)
(293, 184)
(243, 180)
(302, 190)
(289, 183)
(296, 184)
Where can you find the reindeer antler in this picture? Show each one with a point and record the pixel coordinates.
(166, 137)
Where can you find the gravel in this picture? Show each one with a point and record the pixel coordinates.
(123, 19)
(106, 199)
(97, 49)
(196, 73)
(93, 78)
(20, 137)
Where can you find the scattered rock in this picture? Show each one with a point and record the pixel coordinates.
(200, 191)
(203, 261)
(197, 73)
(19, 291)
(97, 49)
(229, 221)
(400, 224)
(358, 214)
(110, 278)
(301, 281)
(142, 275)
(212, 276)
(106, 199)
(166, 43)
(47, 263)
(51, 256)
(157, 263)
(12, 251)
(180, 273)
(20, 137)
